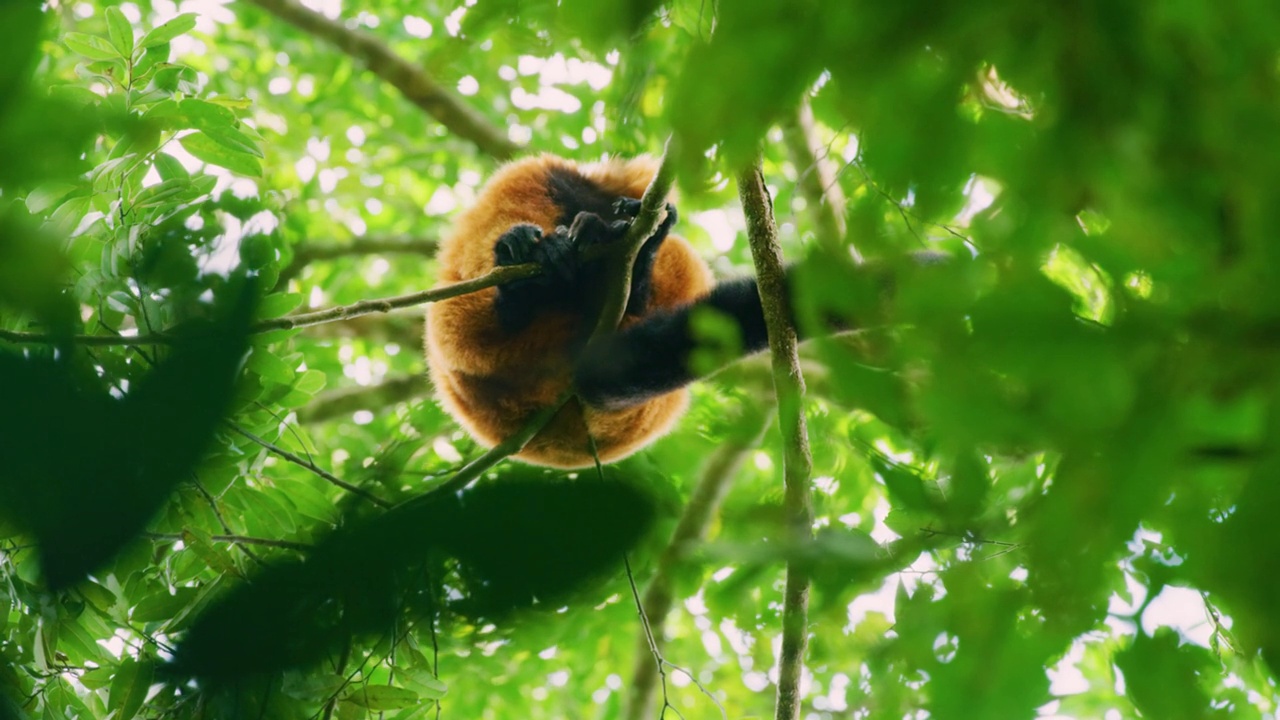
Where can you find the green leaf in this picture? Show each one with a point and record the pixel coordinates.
(270, 367)
(204, 115)
(310, 502)
(184, 23)
(160, 606)
(77, 94)
(233, 139)
(169, 167)
(204, 184)
(429, 687)
(91, 46)
(381, 697)
(106, 177)
(278, 304)
(97, 678)
(310, 382)
(120, 31)
(151, 59)
(129, 688)
(45, 196)
(206, 149)
(168, 191)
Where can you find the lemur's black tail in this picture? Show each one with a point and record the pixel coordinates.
(665, 351)
(653, 357)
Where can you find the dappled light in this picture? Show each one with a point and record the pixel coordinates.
(1020, 465)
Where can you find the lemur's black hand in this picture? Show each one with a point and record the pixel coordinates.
(518, 301)
(526, 244)
(589, 229)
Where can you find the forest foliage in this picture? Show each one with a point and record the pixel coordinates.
(1041, 476)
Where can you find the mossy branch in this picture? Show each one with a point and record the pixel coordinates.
(788, 384)
(623, 259)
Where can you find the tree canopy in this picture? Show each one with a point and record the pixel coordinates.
(1036, 482)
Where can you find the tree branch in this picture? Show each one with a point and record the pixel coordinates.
(817, 182)
(623, 259)
(345, 401)
(788, 384)
(493, 278)
(415, 83)
(703, 506)
(303, 462)
(307, 253)
(236, 539)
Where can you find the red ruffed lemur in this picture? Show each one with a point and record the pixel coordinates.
(499, 355)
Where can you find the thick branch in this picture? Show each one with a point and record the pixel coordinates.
(788, 384)
(345, 401)
(307, 253)
(417, 86)
(618, 270)
(817, 182)
(704, 504)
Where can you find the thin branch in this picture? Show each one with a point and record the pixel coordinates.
(703, 506)
(237, 539)
(493, 278)
(28, 338)
(222, 520)
(660, 663)
(788, 384)
(817, 182)
(345, 401)
(419, 87)
(307, 253)
(303, 462)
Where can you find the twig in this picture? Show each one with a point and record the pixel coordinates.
(19, 337)
(660, 664)
(788, 383)
(222, 520)
(415, 83)
(237, 539)
(302, 462)
(817, 181)
(493, 278)
(704, 504)
(308, 253)
(348, 400)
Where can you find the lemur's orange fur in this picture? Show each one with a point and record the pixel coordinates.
(491, 381)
